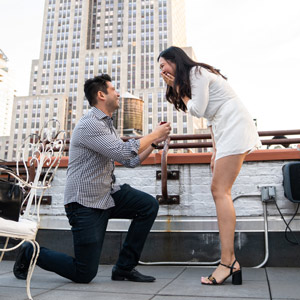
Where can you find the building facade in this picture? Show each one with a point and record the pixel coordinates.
(4, 142)
(82, 39)
(7, 93)
(30, 114)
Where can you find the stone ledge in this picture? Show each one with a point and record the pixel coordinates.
(204, 158)
(183, 224)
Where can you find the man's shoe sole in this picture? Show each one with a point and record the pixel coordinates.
(122, 278)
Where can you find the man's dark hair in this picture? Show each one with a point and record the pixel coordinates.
(93, 85)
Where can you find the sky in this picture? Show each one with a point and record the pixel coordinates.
(255, 43)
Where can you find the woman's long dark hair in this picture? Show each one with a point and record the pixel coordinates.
(184, 64)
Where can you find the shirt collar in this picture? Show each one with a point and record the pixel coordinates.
(99, 113)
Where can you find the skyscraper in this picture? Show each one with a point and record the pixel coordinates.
(81, 39)
(6, 104)
(6, 95)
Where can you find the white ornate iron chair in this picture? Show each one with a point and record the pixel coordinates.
(40, 155)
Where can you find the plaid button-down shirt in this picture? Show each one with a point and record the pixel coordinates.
(95, 146)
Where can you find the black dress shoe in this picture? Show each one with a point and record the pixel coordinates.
(22, 264)
(133, 275)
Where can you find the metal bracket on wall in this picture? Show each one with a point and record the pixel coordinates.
(172, 199)
(268, 193)
(43, 174)
(171, 175)
(46, 200)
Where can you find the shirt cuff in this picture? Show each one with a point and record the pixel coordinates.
(135, 161)
(135, 146)
(131, 163)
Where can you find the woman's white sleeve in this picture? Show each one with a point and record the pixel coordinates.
(200, 95)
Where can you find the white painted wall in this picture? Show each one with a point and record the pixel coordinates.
(194, 189)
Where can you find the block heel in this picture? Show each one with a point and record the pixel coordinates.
(236, 276)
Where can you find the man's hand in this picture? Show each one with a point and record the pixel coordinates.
(161, 139)
(162, 132)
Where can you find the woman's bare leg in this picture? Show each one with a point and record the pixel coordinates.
(226, 170)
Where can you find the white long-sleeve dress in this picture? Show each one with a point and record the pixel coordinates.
(213, 98)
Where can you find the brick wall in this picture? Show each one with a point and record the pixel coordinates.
(193, 188)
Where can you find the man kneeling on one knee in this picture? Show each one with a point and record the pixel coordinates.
(91, 198)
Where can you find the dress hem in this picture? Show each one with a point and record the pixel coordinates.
(237, 152)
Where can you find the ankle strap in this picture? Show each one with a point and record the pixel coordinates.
(230, 267)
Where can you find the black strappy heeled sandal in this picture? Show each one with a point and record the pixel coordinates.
(236, 276)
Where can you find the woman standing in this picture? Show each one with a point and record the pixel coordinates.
(205, 92)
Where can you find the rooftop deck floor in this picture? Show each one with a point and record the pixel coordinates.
(173, 283)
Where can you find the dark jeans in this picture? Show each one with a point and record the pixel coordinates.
(88, 229)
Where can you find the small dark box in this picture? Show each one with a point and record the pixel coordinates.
(291, 181)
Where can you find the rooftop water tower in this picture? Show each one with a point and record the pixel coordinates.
(128, 119)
